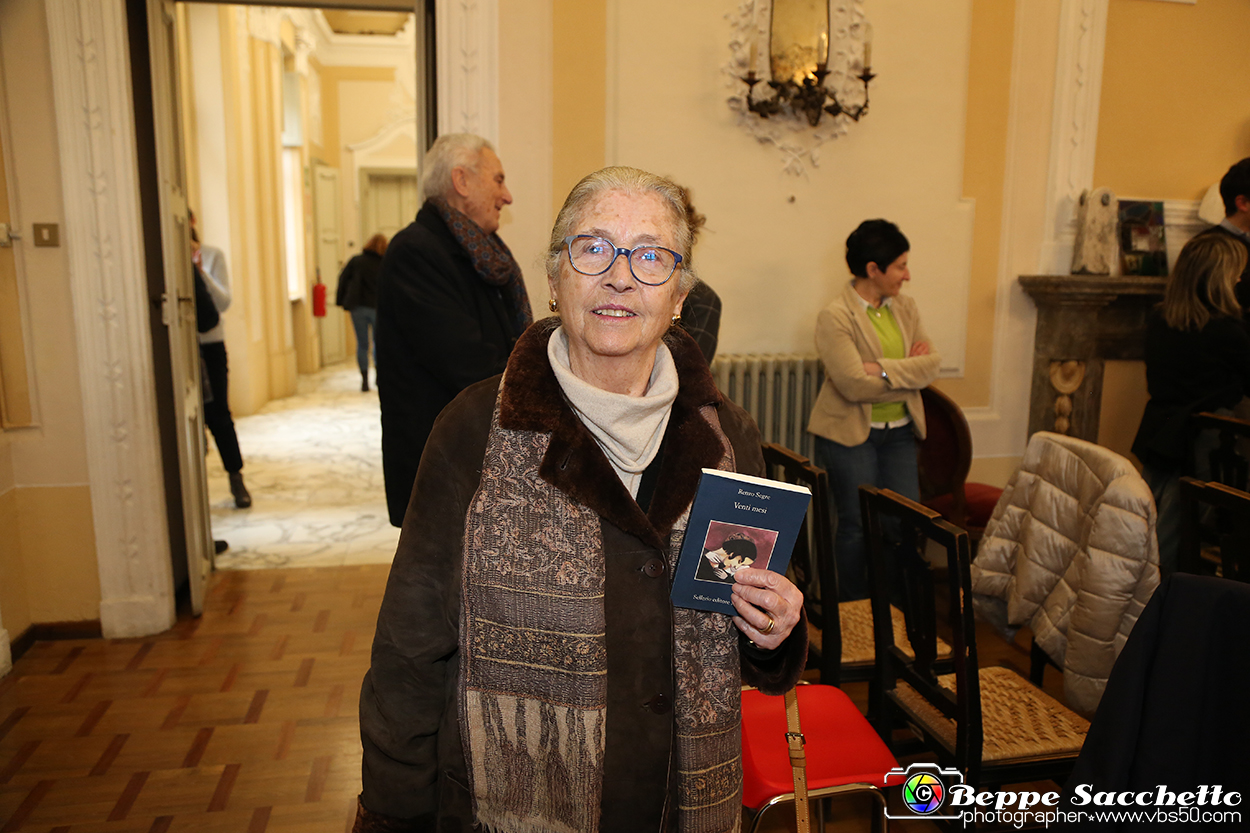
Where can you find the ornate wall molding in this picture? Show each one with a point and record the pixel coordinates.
(369, 152)
(104, 246)
(468, 67)
(264, 23)
(798, 142)
(1074, 137)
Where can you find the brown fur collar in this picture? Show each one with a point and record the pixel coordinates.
(531, 400)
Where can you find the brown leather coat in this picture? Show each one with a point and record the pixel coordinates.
(414, 768)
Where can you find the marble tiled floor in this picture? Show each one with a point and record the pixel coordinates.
(313, 463)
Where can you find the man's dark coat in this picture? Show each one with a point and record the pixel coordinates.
(440, 329)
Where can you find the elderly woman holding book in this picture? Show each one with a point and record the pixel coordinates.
(529, 669)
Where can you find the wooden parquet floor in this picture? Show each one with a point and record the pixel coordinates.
(242, 720)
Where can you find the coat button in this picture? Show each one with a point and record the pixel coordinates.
(654, 568)
(659, 704)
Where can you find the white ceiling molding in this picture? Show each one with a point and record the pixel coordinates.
(366, 153)
(305, 43)
(468, 67)
(798, 142)
(335, 49)
(104, 246)
(264, 23)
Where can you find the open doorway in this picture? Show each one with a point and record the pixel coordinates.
(302, 129)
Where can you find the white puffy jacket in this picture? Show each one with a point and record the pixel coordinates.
(1071, 552)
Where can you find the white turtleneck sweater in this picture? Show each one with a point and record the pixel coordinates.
(629, 429)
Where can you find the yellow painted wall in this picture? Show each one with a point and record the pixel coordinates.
(776, 261)
(260, 335)
(1174, 115)
(1174, 112)
(48, 568)
(56, 531)
(526, 137)
(774, 245)
(269, 337)
(985, 161)
(579, 98)
(332, 80)
(14, 601)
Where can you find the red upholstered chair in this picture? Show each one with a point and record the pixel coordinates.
(844, 753)
(945, 459)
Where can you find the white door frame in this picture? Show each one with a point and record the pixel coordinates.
(104, 244)
(104, 241)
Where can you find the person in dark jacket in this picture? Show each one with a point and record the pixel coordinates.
(529, 669)
(451, 303)
(358, 294)
(700, 314)
(1197, 359)
(1235, 192)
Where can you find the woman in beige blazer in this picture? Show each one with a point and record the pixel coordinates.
(868, 415)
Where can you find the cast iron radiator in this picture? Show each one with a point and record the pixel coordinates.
(778, 390)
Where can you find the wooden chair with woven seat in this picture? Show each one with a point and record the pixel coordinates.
(848, 624)
(992, 724)
(945, 458)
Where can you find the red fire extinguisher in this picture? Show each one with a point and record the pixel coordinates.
(319, 297)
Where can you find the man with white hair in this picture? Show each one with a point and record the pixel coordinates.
(451, 303)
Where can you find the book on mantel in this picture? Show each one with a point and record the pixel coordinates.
(736, 521)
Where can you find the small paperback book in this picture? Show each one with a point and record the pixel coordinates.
(737, 521)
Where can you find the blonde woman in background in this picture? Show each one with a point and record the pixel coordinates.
(1197, 359)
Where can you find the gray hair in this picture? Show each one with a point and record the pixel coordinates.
(450, 151)
(631, 181)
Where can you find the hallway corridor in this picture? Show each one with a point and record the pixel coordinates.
(313, 463)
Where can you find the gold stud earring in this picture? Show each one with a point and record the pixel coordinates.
(552, 305)
(676, 320)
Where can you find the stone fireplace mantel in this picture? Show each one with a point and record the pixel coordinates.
(1082, 322)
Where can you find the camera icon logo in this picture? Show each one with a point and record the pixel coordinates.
(926, 788)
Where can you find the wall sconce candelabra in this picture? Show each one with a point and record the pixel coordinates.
(799, 63)
(807, 97)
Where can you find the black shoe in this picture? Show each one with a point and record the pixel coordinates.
(219, 546)
(242, 498)
(364, 384)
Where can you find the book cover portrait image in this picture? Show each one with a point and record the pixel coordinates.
(736, 521)
(729, 547)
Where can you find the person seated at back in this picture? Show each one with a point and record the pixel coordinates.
(1197, 359)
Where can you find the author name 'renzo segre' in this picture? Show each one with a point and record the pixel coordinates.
(746, 507)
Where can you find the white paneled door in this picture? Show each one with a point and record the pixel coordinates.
(326, 216)
(179, 300)
(388, 204)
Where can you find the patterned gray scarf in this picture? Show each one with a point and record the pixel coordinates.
(533, 671)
